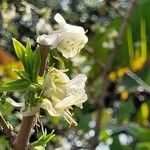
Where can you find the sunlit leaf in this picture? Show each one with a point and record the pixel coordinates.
(143, 146)
(16, 85)
(43, 140)
(138, 132)
(126, 109)
(19, 49)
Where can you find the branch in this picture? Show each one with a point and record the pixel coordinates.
(116, 9)
(105, 80)
(6, 129)
(35, 9)
(21, 141)
(43, 53)
(145, 86)
(97, 60)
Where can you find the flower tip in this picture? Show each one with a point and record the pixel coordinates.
(82, 76)
(13, 39)
(46, 39)
(59, 19)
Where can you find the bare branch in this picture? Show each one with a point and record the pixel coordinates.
(6, 129)
(22, 139)
(37, 10)
(97, 60)
(139, 80)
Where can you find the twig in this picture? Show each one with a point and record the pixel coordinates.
(21, 141)
(139, 80)
(37, 10)
(43, 53)
(116, 9)
(6, 129)
(97, 60)
(105, 80)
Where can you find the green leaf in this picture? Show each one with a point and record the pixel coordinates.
(38, 148)
(22, 74)
(56, 56)
(36, 64)
(116, 144)
(19, 49)
(143, 146)
(104, 135)
(28, 45)
(29, 56)
(138, 132)
(126, 109)
(16, 85)
(43, 140)
(30, 60)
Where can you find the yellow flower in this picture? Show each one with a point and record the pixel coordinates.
(124, 95)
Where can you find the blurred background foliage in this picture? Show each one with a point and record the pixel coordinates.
(125, 118)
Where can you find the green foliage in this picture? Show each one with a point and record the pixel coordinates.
(42, 141)
(29, 59)
(4, 145)
(17, 85)
(19, 50)
(56, 60)
(138, 132)
(116, 144)
(125, 111)
(105, 135)
(143, 146)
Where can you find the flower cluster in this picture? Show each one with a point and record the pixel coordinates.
(68, 39)
(61, 93)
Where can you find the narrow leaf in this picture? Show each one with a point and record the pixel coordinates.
(19, 49)
(36, 64)
(16, 85)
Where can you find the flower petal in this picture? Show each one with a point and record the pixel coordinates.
(78, 82)
(59, 19)
(76, 100)
(47, 105)
(48, 39)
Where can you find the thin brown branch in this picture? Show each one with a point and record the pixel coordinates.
(93, 54)
(35, 9)
(22, 139)
(116, 9)
(43, 53)
(105, 80)
(6, 129)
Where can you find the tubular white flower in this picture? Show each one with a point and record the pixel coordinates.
(43, 26)
(72, 38)
(62, 93)
(69, 39)
(47, 39)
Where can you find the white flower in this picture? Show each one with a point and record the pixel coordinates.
(28, 14)
(61, 93)
(43, 26)
(47, 39)
(70, 39)
(78, 60)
